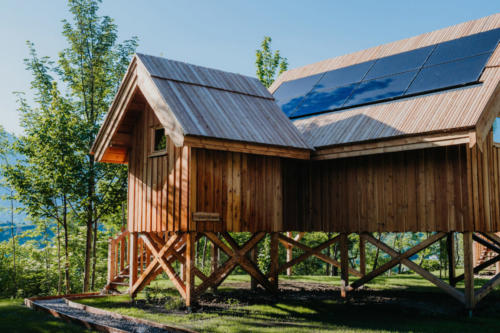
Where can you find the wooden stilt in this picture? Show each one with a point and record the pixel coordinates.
(215, 262)
(253, 258)
(133, 258)
(344, 264)
(362, 255)
(450, 244)
(289, 254)
(468, 271)
(190, 261)
(273, 271)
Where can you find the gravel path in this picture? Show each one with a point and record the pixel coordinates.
(59, 305)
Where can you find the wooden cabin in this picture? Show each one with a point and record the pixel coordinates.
(211, 152)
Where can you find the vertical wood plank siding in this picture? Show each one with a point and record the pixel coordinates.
(453, 188)
(158, 186)
(485, 177)
(244, 189)
(423, 190)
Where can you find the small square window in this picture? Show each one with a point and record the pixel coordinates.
(160, 140)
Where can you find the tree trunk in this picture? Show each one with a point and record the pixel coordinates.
(13, 236)
(66, 241)
(94, 255)
(328, 253)
(204, 256)
(90, 224)
(59, 282)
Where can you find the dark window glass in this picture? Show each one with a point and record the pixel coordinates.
(323, 100)
(381, 89)
(160, 140)
(344, 76)
(464, 47)
(399, 63)
(449, 74)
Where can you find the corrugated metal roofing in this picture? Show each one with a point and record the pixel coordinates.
(444, 111)
(217, 104)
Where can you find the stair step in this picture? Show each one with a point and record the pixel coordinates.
(120, 283)
(123, 276)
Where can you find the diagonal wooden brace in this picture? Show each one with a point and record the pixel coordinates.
(311, 252)
(158, 255)
(416, 268)
(396, 260)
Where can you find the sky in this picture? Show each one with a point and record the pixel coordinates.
(224, 34)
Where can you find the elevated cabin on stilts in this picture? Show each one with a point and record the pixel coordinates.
(397, 138)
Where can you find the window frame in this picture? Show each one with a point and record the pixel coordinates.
(152, 151)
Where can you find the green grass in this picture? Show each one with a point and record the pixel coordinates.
(15, 317)
(405, 303)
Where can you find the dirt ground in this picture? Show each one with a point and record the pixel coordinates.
(239, 295)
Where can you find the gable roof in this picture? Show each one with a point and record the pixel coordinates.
(195, 102)
(466, 109)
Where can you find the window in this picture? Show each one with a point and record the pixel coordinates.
(496, 130)
(159, 144)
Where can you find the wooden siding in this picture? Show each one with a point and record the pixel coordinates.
(422, 190)
(484, 178)
(244, 189)
(158, 185)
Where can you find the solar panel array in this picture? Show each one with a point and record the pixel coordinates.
(445, 65)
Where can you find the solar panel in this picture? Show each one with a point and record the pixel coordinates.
(324, 99)
(449, 64)
(291, 93)
(449, 74)
(381, 89)
(464, 47)
(344, 76)
(399, 63)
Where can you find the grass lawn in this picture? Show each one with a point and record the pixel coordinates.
(405, 303)
(15, 317)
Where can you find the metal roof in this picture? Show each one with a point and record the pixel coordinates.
(444, 111)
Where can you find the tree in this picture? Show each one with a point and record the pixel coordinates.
(268, 63)
(92, 67)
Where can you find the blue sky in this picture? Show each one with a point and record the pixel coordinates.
(225, 34)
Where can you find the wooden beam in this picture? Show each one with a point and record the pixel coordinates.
(310, 252)
(167, 267)
(253, 258)
(273, 270)
(487, 288)
(190, 262)
(133, 258)
(289, 253)
(215, 262)
(344, 264)
(362, 255)
(416, 268)
(450, 249)
(246, 147)
(393, 145)
(468, 270)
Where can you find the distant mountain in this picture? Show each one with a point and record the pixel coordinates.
(5, 215)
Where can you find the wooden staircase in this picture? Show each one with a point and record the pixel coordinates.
(118, 263)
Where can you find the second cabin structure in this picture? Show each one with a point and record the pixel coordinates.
(397, 138)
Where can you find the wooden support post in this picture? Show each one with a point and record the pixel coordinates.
(450, 244)
(190, 261)
(215, 262)
(344, 264)
(273, 271)
(253, 258)
(132, 244)
(362, 255)
(468, 271)
(289, 254)
(111, 261)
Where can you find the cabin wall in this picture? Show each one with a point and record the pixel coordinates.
(484, 177)
(157, 185)
(244, 189)
(422, 190)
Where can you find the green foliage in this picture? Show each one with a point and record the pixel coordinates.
(269, 63)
